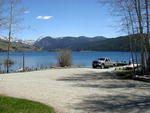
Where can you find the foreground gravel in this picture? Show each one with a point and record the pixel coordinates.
(79, 90)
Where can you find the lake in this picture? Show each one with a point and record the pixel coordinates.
(47, 59)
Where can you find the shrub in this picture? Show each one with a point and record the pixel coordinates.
(64, 58)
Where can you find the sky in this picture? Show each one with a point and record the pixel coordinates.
(58, 18)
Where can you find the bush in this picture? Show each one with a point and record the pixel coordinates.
(64, 58)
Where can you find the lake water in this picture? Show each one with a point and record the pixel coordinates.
(47, 59)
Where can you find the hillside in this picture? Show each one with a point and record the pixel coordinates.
(17, 46)
(121, 43)
(74, 43)
(87, 44)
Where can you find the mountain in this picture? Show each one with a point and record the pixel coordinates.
(74, 43)
(13, 39)
(16, 46)
(121, 43)
(83, 43)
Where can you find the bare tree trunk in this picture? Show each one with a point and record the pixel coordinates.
(147, 21)
(132, 55)
(148, 37)
(9, 34)
(131, 48)
(23, 62)
(139, 16)
(137, 46)
(131, 44)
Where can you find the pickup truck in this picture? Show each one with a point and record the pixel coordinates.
(103, 63)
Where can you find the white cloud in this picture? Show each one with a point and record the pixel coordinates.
(26, 12)
(44, 17)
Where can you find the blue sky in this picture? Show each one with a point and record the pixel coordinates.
(66, 18)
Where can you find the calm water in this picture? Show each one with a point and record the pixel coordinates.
(46, 59)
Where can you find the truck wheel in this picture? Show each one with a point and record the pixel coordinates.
(94, 66)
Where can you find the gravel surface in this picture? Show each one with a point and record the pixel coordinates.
(79, 90)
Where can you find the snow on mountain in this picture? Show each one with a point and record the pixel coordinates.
(13, 39)
(29, 42)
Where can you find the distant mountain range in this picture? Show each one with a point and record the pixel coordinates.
(83, 43)
(16, 46)
(73, 43)
(13, 39)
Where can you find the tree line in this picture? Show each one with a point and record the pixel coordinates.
(134, 19)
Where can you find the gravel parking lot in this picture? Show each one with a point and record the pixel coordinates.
(79, 90)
